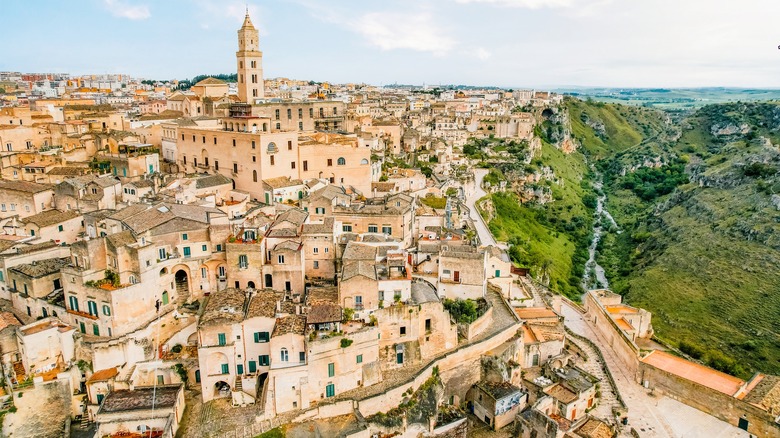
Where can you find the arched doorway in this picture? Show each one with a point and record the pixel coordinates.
(182, 283)
(250, 285)
(221, 389)
(269, 281)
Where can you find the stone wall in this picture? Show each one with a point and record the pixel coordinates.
(715, 403)
(625, 349)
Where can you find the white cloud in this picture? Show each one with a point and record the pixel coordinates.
(120, 8)
(528, 4)
(390, 31)
(482, 53)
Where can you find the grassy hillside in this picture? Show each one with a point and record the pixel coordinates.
(551, 238)
(704, 258)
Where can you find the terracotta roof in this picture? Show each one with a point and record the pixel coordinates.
(694, 372)
(595, 428)
(101, 375)
(224, 307)
(211, 81)
(24, 186)
(7, 319)
(526, 313)
(358, 268)
(288, 245)
(263, 304)
(51, 217)
(323, 312)
(561, 393)
(121, 400)
(290, 324)
(41, 268)
(359, 251)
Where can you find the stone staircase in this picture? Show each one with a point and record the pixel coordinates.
(608, 403)
(239, 384)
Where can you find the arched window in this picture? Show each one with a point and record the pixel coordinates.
(284, 356)
(341, 161)
(254, 175)
(272, 147)
(364, 161)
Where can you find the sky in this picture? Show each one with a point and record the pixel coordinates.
(506, 43)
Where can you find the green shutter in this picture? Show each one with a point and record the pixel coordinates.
(240, 369)
(330, 390)
(359, 358)
(96, 329)
(225, 368)
(221, 338)
(264, 360)
(331, 370)
(252, 366)
(257, 337)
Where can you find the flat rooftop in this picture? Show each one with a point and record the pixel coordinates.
(535, 313)
(694, 372)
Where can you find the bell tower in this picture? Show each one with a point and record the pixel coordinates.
(250, 63)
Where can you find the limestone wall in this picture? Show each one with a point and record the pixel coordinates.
(715, 403)
(625, 349)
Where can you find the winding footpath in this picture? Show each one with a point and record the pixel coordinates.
(474, 195)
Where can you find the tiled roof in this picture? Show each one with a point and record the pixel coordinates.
(323, 312)
(41, 268)
(359, 251)
(211, 81)
(319, 228)
(290, 324)
(766, 394)
(51, 217)
(354, 269)
(561, 393)
(24, 186)
(121, 239)
(224, 307)
(212, 181)
(498, 390)
(282, 181)
(101, 375)
(288, 245)
(7, 319)
(121, 400)
(263, 304)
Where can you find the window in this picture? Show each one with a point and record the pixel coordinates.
(204, 139)
(235, 167)
(221, 339)
(264, 360)
(184, 236)
(387, 229)
(272, 160)
(302, 357)
(284, 355)
(300, 126)
(252, 366)
(403, 331)
(428, 325)
(358, 302)
(92, 306)
(364, 161)
(346, 228)
(187, 252)
(253, 144)
(316, 264)
(254, 159)
(289, 113)
(96, 329)
(243, 261)
(73, 301)
(292, 164)
(276, 114)
(319, 210)
(300, 113)
(219, 247)
(239, 369)
(305, 168)
(216, 165)
(280, 258)
(316, 250)
(330, 161)
(341, 161)
(359, 358)
(331, 369)
(215, 140)
(234, 143)
(330, 390)
(278, 126)
(373, 228)
(106, 310)
(225, 368)
(311, 112)
(203, 272)
(261, 337)
(162, 253)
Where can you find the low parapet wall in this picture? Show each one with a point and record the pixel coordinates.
(623, 347)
